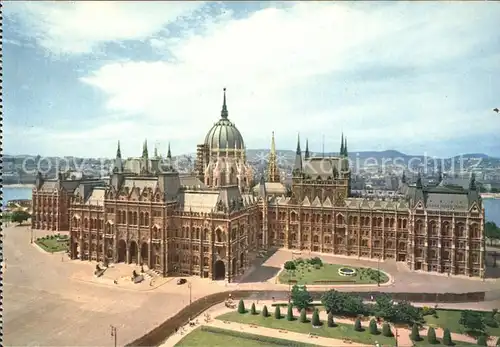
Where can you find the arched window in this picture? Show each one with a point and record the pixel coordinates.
(130, 219)
(141, 218)
(219, 235)
(146, 219)
(134, 222)
(340, 219)
(86, 223)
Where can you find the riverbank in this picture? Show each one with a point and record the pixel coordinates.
(16, 185)
(490, 195)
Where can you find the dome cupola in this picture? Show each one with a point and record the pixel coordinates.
(224, 135)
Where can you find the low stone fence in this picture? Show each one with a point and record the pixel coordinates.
(159, 334)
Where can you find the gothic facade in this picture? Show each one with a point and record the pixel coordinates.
(211, 223)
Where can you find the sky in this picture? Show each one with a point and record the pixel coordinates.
(421, 78)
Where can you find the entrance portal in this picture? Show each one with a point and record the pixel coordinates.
(74, 250)
(219, 270)
(122, 251)
(133, 252)
(144, 253)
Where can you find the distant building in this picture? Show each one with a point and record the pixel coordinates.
(212, 223)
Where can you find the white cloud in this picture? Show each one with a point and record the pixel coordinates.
(80, 26)
(300, 68)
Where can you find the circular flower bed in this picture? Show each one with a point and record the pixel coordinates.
(347, 271)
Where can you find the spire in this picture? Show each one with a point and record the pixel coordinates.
(403, 177)
(298, 145)
(156, 152)
(419, 181)
(345, 147)
(342, 145)
(118, 165)
(306, 155)
(145, 149)
(297, 167)
(472, 183)
(440, 175)
(169, 154)
(118, 151)
(273, 174)
(224, 113)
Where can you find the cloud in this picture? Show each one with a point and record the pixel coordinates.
(81, 27)
(394, 75)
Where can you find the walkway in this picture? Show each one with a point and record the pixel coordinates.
(403, 334)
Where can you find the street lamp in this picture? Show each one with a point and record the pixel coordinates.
(290, 284)
(113, 333)
(31, 233)
(190, 297)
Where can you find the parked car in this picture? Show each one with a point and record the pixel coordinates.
(181, 281)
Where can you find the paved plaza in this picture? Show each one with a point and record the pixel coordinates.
(52, 301)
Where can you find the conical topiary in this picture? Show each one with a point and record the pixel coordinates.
(303, 316)
(498, 342)
(252, 309)
(331, 322)
(373, 327)
(481, 341)
(447, 341)
(357, 325)
(289, 313)
(315, 318)
(386, 330)
(415, 333)
(241, 307)
(431, 336)
(277, 313)
(264, 311)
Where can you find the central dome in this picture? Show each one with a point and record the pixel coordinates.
(224, 134)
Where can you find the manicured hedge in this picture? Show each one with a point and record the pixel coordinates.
(257, 338)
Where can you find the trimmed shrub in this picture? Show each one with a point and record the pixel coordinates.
(386, 330)
(303, 316)
(447, 341)
(373, 327)
(315, 318)
(490, 321)
(289, 313)
(264, 311)
(253, 310)
(290, 265)
(277, 312)
(241, 307)
(481, 341)
(415, 333)
(357, 325)
(331, 322)
(431, 336)
(498, 342)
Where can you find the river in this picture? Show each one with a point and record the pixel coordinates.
(10, 193)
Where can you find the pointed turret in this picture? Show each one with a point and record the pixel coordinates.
(472, 182)
(403, 178)
(440, 175)
(342, 145)
(169, 153)
(273, 174)
(262, 187)
(223, 112)
(145, 149)
(345, 147)
(118, 165)
(156, 152)
(297, 167)
(307, 154)
(419, 181)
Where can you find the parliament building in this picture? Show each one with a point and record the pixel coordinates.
(212, 222)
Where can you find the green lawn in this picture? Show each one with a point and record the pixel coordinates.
(53, 244)
(203, 337)
(450, 319)
(308, 274)
(342, 331)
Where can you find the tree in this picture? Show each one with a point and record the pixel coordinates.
(301, 298)
(290, 265)
(415, 333)
(384, 307)
(241, 307)
(357, 325)
(431, 336)
(303, 316)
(289, 313)
(447, 341)
(277, 313)
(472, 320)
(331, 322)
(253, 310)
(481, 341)
(264, 311)
(386, 330)
(405, 312)
(315, 318)
(19, 216)
(373, 327)
(342, 303)
(491, 231)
